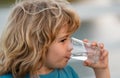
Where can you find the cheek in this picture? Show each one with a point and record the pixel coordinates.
(55, 53)
(55, 56)
(56, 50)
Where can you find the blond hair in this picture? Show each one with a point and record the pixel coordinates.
(32, 27)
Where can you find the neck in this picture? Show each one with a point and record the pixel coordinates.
(43, 70)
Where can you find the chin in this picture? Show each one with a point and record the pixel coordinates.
(62, 66)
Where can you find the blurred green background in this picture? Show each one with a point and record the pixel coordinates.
(4, 3)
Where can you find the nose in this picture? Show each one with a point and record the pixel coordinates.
(70, 46)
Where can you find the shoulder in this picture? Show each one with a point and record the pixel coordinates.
(69, 68)
(70, 71)
(8, 75)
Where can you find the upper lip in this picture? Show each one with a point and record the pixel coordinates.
(68, 56)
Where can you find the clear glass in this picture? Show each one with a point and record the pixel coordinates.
(83, 51)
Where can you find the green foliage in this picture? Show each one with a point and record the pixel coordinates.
(6, 2)
(72, 0)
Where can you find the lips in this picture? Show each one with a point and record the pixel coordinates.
(68, 56)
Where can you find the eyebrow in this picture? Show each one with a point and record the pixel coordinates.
(63, 36)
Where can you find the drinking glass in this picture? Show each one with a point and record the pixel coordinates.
(84, 51)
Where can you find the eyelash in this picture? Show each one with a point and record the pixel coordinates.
(63, 40)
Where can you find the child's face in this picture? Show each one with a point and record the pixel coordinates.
(60, 50)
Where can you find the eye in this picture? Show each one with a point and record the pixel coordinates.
(63, 40)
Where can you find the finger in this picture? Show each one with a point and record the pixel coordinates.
(104, 54)
(101, 45)
(87, 63)
(86, 40)
(101, 53)
(105, 59)
(94, 43)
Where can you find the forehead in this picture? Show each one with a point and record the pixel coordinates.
(63, 32)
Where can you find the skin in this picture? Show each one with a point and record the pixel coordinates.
(60, 50)
(101, 68)
(59, 54)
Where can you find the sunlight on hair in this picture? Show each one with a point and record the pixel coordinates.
(37, 8)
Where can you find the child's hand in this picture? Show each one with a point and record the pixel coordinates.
(103, 60)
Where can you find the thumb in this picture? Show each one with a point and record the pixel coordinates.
(87, 63)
